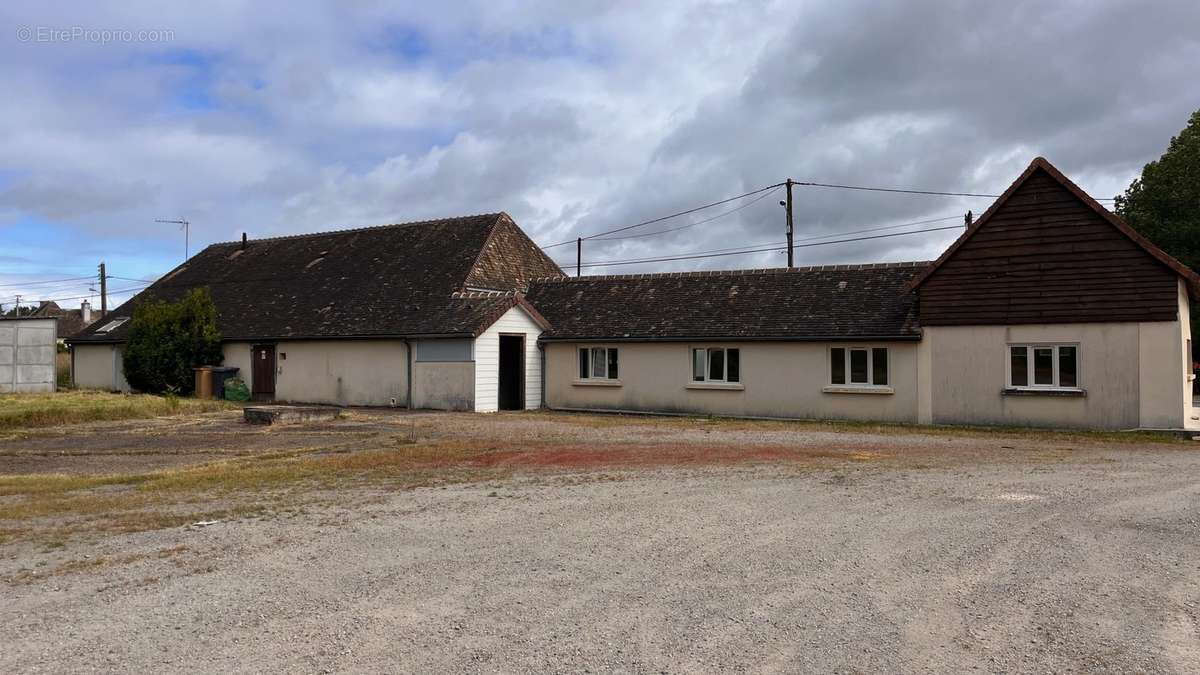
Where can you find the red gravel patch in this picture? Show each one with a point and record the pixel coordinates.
(579, 456)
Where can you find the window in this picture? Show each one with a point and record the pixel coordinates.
(1043, 366)
(858, 366)
(716, 364)
(598, 363)
(111, 325)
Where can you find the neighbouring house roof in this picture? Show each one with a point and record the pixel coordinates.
(834, 302)
(70, 321)
(403, 280)
(1042, 164)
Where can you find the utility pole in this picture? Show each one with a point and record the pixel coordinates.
(103, 292)
(17, 308)
(790, 237)
(183, 223)
(579, 256)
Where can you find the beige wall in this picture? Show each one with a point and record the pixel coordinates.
(1166, 400)
(99, 367)
(1132, 374)
(339, 372)
(444, 385)
(779, 379)
(237, 355)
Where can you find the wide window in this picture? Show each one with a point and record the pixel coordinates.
(858, 366)
(1043, 366)
(716, 364)
(598, 363)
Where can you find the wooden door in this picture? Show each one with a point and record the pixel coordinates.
(262, 373)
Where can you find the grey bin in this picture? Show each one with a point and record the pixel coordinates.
(219, 375)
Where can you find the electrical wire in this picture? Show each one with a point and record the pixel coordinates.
(699, 222)
(838, 186)
(910, 192)
(880, 229)
(701, 254)
(814, 238)
(83, 297)
(45, 281)
(662, 218)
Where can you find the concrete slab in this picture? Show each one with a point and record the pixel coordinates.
(289, 414)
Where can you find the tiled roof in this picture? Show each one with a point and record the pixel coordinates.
(70, 321)
(807, 303)
(391, 280)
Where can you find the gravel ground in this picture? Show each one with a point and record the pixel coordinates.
(975, 555)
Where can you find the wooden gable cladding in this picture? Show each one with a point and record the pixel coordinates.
(1044, 255)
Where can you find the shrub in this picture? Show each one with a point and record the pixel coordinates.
(168, 339)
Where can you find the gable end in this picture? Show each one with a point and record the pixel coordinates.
(1047, 253)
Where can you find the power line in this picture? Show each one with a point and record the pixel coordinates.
(826, 236)
(662, 218)
(699, 222)
(912, 192)
(83, 297)
(701, 254)
(45, 282)
(885, 227)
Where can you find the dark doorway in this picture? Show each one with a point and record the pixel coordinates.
(262, 372)
(512, 372)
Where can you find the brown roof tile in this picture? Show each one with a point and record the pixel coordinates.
(837, 302)
(391, 280)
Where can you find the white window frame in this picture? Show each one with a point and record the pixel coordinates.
(708, 378)
(846, 356)
(591, 363)
(1029, 366)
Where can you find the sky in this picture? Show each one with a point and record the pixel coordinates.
(275, 118)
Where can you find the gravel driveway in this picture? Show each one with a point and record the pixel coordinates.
(1084, 561)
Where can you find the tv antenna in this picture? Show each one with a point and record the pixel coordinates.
(183, 224)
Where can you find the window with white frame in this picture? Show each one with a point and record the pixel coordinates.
(716, 364)
(598, 363)
(858, 366)
(1043, 366)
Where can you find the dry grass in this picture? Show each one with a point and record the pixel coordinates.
(23, 411)
(52, 508)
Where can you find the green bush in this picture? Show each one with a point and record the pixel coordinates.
(168, 339)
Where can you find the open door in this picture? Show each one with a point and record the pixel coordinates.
(511, 391)
(262, 372)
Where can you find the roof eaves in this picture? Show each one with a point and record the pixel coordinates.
(902, 337)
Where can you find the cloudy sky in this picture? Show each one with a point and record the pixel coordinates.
(271, 118)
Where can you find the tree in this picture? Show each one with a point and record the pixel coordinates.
(168, 339)
(1164, 204)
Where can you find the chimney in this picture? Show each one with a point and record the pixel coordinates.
(85, 311)
(243, 241)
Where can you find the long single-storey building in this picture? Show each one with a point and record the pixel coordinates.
(421, 315)
(1047, 311)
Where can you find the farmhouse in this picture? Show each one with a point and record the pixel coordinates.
(421, 314)
(1047, 311)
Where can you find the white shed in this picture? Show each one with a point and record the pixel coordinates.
(27, 349)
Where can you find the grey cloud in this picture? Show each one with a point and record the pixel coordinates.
(580, 119)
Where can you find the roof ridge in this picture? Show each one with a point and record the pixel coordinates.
(913, 264)
(350, 230)
(477, 295)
